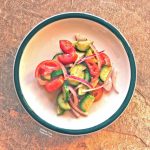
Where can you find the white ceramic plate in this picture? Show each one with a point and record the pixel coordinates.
(42, 43)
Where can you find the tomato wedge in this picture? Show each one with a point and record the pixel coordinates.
(54, 84)
(66, 46)
(93, 67)
(67, 58)
(105, 60)
(97, 94)
(44, 68)
(94, 81)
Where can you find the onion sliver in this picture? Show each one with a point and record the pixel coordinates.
(75, 97)
(76, 114)
(114, 78)
(63, 69)
(93, 89)
(77, 109)
(88, 57)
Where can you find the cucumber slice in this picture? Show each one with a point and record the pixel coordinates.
(100, 81)
(105, 72)
(66, 91)
(62, 104)
(60, 111)
(86, 102)
(80, 37)
(46, 77)
(56, 73)
(83, 45)
(56, 55)
(90, 52)
(78, 71)
(80, 90)
(74, 43)
(78, 68)
(87, 76)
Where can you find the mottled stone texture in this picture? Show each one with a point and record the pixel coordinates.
(130, 132)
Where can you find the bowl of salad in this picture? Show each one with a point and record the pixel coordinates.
(74, 73)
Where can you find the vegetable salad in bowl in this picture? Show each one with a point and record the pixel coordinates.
(80, 72)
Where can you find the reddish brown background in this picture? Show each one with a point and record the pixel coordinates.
(130, 132)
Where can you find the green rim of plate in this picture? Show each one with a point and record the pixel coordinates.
(82, 16)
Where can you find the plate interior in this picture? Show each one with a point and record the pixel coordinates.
(45, 44)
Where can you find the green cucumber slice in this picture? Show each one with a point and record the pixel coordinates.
(83, 45)
(62, 104)
(74, 43)
(78, 71)
(66, 91)
(56, 73)
(87, 76)
(86, 102)
(80, 90)
(60, 111)
(105, 72)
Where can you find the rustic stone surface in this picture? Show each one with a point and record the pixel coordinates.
(130, 132)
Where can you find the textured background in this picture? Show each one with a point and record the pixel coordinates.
(130, 132)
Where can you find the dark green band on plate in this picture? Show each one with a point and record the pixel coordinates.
(116, 33)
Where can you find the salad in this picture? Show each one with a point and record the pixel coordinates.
(80, 72)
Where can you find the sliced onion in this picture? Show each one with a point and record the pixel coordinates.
(63, 69)
(80, 85)
(75, 97)
(85, 58)
(88, 57)
(77, 109)
(75, 113)
(80, 80)
(108, 84)
(114, 80)
(93, 89)
(97, 55)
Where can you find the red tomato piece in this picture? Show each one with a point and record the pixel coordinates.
(105, 60)
(97, 94)
(44, 68)
(93, 67)
(66, 46)
(54, 84)
(102, 59)
(67, 58)
(94, 81)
